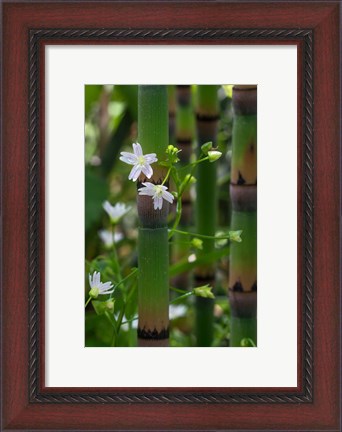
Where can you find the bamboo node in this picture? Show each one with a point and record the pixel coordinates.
(153, 334)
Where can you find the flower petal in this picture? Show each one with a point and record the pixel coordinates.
(151, 158)
(158, 203)
(149, 185)
(147, 170)
(137, 149)
(146, 191)
(135, 173)
(107, 207)
(129, 158)
(107, 292)
(168, 197)
(105, 287)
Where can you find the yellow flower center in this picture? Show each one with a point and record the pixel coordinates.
(141, 160)
(158, 190)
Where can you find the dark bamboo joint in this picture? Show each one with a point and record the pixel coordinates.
(243, 191)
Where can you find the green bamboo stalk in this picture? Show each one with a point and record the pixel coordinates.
(207, 114)
(243, 190)
(171, 90)
(153, 248)
(185, 123)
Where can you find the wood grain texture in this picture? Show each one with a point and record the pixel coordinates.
(18, 412)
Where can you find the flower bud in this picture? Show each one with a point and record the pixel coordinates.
(235, 236)
(110, 305)
(206, 147)
(204, 291)
(197, 243)
(172, 151)
(221, 241)
(189, 178)
(214, 155)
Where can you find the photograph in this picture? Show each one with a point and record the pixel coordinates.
(170, 215)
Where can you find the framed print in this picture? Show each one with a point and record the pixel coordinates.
(121, 120)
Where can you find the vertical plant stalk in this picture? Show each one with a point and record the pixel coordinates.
(103, 119)
(171, 90)
(153, 248)
(184, 139)
(207, 115)
(243, 191)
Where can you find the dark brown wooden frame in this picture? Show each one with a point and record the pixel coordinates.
(27, 403)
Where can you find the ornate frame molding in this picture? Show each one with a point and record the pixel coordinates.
(36, 36)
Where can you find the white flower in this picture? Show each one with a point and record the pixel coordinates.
(177, 311)
(107, 237)
(157, 192)
(142, 163)
(115, 212)
(98, 287)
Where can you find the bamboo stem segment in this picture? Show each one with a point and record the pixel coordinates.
(171, 89)
(185, 123)
(153, 285)
(243, 190)
(153, 248)
(207, 114)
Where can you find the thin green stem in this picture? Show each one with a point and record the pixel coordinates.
(119, 322)
(111, 319)
(178, 217)
(87, 302)
(201, 235)
(188, 181)
(127, 277)
(167, 175)
(113, 339)
(180, 191)
(180, 242)
(130, 320)
(178, 290)
(115, 255)
(182, 297)
(115, 333)
(194, 164)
